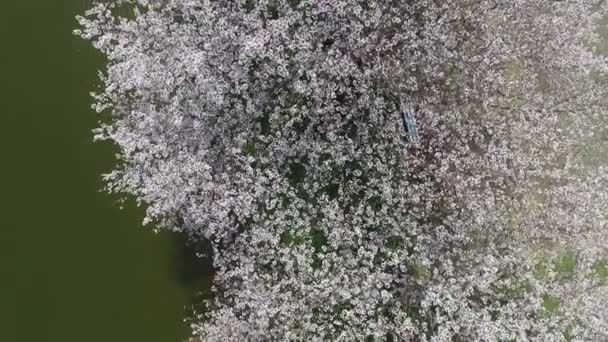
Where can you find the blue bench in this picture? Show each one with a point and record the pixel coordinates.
(409, 122)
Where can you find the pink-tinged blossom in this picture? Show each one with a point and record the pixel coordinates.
(272, 128)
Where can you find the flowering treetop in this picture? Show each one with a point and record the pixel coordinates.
(270, 128)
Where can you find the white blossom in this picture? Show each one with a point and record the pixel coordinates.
(273, 129)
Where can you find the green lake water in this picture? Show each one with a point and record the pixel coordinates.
(74, 267)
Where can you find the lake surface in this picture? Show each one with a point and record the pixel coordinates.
(74, 267)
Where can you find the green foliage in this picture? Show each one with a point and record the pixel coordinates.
(318, 240)
(249, 149)
(568, 333)
(273, 9)
(541, 270)
(331, 190)
(334, 169)
(600, 269)
(386, 338)
(565, 265)
(375, 202)
(519, 289)
(264, 122)
(494, 314)
(249, 5)
(420, 272)
(550, 304)
(294, 3)
(337, 311)
(296, 173)
(302, 125)
(350, 167)
(395, 242)
(292, 238)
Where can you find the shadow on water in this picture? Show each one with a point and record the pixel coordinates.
(192, 262)
(192, 265)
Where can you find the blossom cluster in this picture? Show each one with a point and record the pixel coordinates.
(273, 129)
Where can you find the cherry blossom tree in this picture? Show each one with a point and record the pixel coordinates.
(275, 129)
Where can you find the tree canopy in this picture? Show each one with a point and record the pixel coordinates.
(273, 129)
